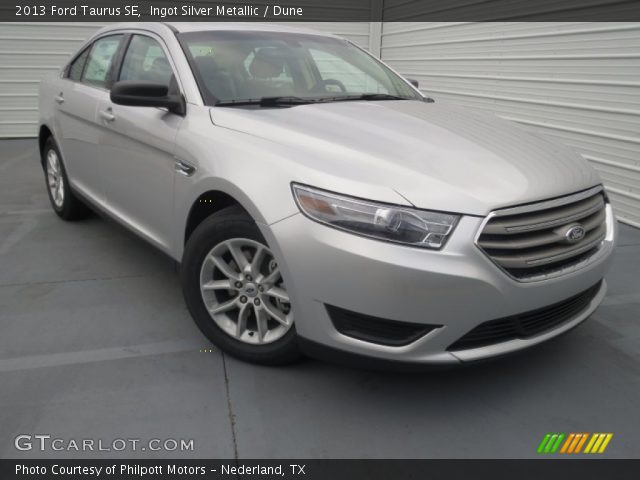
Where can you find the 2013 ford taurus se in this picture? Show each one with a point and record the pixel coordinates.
(318, 202)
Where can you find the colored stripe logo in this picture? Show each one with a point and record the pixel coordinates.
(573, 443)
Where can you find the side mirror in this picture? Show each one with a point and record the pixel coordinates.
(414, 82)
(146, 94)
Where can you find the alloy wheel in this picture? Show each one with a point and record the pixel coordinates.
(243, 290)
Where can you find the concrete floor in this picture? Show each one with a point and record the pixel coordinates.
(96, 342)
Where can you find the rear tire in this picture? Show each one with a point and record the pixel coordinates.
(63, 201)
(234, 291)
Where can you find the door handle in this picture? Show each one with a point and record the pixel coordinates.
(60, 98)
(184, 168)
(106, 115)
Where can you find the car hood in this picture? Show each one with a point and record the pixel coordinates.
(435, 155)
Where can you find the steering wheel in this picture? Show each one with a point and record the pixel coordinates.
(320, 87)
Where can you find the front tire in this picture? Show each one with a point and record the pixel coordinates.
(235, 292)
(63, 201)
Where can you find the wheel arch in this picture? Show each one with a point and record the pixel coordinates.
(43, 134)
(193, 205)
(206, 204)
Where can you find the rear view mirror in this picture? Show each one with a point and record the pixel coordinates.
(146, 94)
(414, 82)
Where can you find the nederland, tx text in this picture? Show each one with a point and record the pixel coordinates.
(144, 470)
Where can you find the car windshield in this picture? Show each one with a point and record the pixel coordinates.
(235, 68)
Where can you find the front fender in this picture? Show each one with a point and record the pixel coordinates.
(240, 165)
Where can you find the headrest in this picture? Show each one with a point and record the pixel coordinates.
(160, 63)
(267, 63)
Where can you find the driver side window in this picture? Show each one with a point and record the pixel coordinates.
(335, 71)
(146, 61)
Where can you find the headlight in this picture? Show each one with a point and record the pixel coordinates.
(419, 228)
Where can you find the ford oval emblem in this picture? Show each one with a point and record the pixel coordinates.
(575, 233)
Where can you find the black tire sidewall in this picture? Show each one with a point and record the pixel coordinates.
(224, 225)
(50, 144)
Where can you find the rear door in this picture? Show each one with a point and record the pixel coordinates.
(137, 145)
(85, 84)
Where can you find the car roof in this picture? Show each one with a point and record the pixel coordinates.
(184, 27)
(241, 26)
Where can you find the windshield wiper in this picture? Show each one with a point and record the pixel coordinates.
(292, 100)
(266, 101)
(364, 96)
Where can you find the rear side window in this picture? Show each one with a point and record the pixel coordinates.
(75, 70)
(100, 61)
(146, 61)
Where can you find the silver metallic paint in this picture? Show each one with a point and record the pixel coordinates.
(430, 155)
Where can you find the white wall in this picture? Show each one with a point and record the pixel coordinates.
(577, 82)
(29, 51)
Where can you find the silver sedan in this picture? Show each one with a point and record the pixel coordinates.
(318, 202)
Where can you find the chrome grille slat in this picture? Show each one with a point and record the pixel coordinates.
(550, 218)
(538, 239)
(533, 242)
(556, 251)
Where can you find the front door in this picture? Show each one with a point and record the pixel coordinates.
(137, 147)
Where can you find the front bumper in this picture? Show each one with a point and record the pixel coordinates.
(458, 287)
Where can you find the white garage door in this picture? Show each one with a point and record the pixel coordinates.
(578, 82)
(29, 51)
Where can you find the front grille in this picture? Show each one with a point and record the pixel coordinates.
(376, 330)
(532, 241)
(526, 325)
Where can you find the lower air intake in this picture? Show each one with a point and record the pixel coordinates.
(526, 325)
(376, 330)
